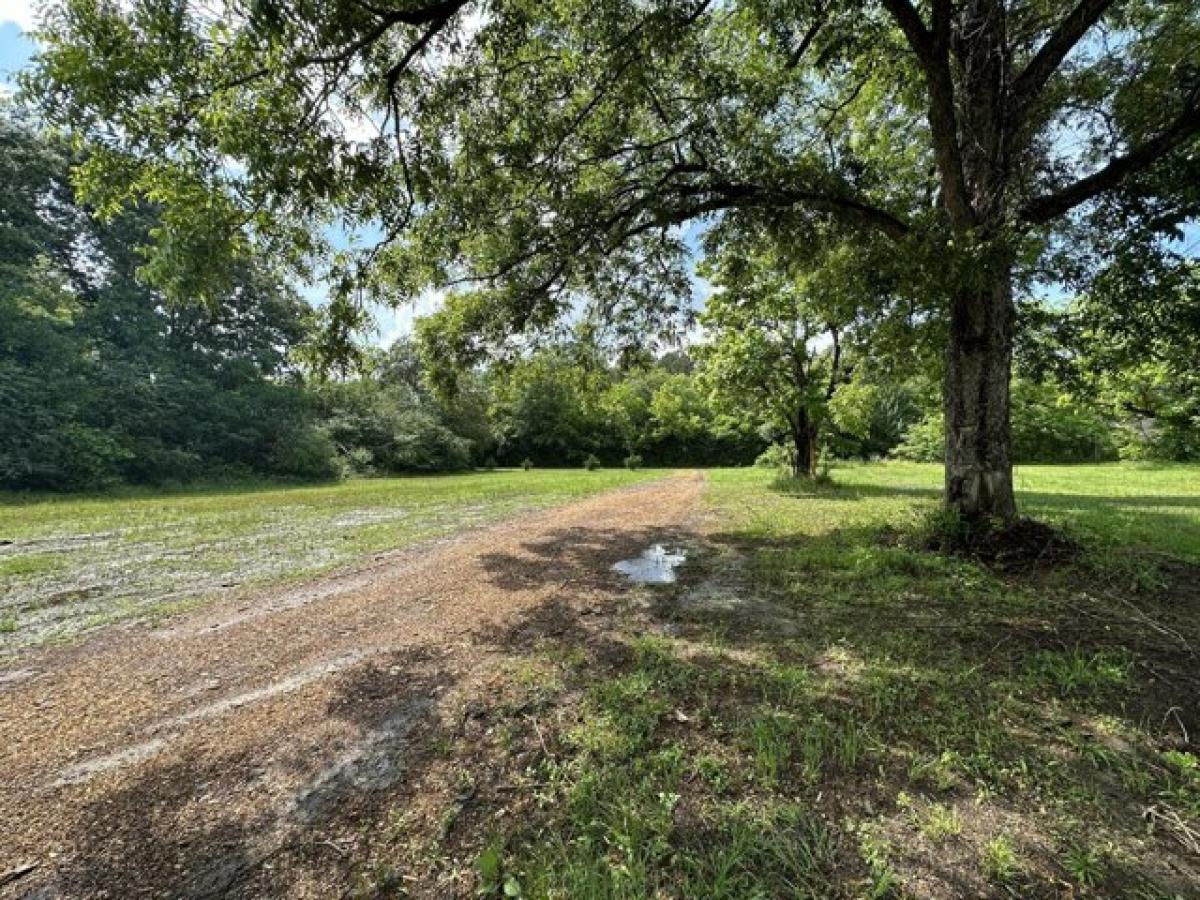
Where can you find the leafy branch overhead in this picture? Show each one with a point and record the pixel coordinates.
(530, 146)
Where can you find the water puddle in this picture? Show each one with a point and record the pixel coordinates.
(656, 565)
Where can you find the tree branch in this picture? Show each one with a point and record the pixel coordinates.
(1028, 85)
(932, 49)
(796, 55)
(716, 196)
(915, 32)
(1050, 206)
(418, 46)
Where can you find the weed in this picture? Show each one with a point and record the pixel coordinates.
(771, 738)
(713, 770)
(1000, 861)
(940, 822)
(1086, 865)
(1077, 671)
(875, 852)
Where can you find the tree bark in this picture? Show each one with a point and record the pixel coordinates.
(804, 440)
(979, 352)
(978, 363)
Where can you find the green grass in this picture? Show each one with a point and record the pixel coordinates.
(78, 562)
(859, 717)
(1126, 505)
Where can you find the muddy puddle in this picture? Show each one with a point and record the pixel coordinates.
(656, 565)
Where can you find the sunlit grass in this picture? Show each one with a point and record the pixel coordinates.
(73, 563)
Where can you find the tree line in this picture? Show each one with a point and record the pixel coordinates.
(107, 378)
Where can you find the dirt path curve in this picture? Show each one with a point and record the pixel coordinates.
(180, 762)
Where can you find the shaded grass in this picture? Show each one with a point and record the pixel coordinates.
(845, 715)
(1144, 506)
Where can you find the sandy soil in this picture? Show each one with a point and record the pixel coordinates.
(188, 761)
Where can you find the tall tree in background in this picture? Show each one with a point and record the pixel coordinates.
(101, 379)
(544, 154)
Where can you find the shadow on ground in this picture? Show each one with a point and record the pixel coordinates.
(216, 820)
(843, 713)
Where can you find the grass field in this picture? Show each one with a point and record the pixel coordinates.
(823, 708)
(69, 564)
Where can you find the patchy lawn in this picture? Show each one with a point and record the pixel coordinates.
(69, 564)
(822, 709)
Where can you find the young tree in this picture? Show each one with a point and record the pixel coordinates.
(771, 347)
(546, 152)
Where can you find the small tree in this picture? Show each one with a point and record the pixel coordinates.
(778, 326)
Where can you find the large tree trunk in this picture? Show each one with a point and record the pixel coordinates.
(979, 352)
(978, 361)
(804, 440)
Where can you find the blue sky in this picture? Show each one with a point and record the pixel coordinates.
(15, 48)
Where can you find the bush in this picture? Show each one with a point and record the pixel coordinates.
(871, 419)
(357, 461)
(592, 463)
(527, 464)
(633, 462)
(924, 441)
(419, 443)
(307, 453)
(1162, 440)
(1049, 426)
(776, 457)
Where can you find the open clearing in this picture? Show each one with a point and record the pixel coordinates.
(69, 565)
(819, 707)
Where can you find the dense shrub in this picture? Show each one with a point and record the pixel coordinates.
(591, 462)
(633, 461)
(1047, 427)
(386, 429)
(419, 443)
(870, 420)
(1163, 440)
(306, 453)
(924, 441)
(1050, 427)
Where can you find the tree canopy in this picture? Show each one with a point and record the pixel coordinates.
(543, 156)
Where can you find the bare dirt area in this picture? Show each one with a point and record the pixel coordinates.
(241, 751)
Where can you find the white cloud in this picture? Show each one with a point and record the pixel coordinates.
(23, 12)
(400, 322)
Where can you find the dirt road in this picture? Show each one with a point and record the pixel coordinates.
(185, 761)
